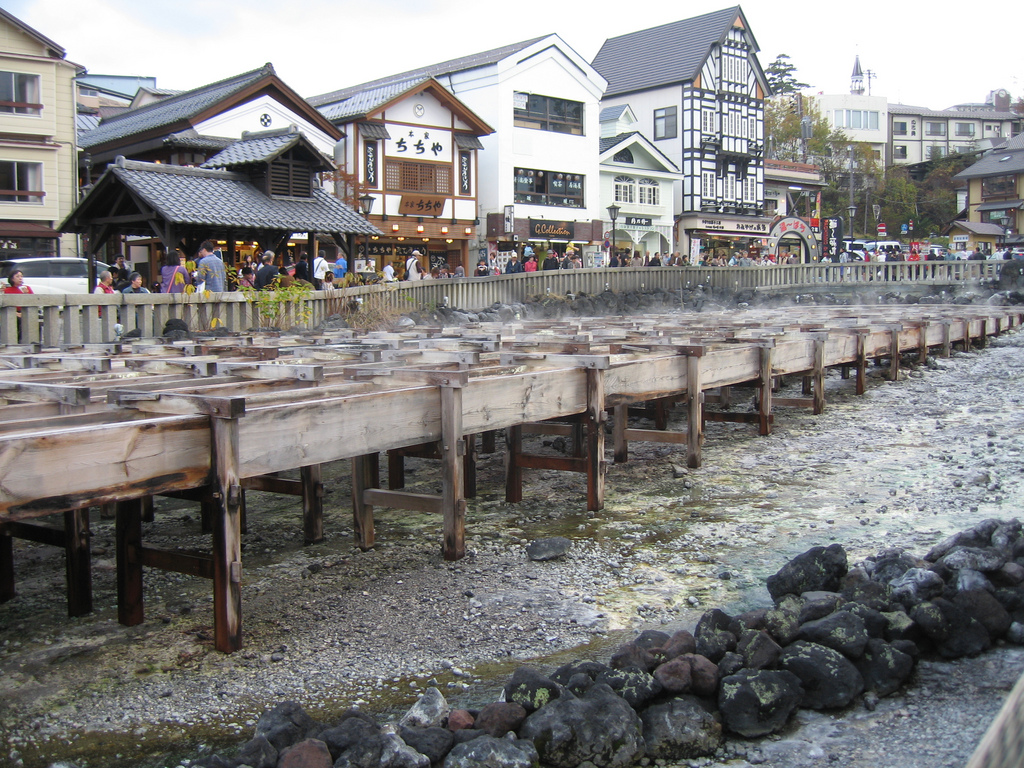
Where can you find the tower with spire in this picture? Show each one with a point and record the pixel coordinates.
(857, 79)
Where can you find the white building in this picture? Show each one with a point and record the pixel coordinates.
(539, 178)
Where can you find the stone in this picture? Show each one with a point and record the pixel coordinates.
(817, 605)
(678, 644)
(982, 606)
(459, 719)
(703, 674)
(916, 586)
(431, 709)
(758, 649)
(782, 625)
(756, 703)
(869, 593)
(592, 669)
(355, 736)
(500, 717)
(713, 636)
(829, 680)
(1010, 575)
(899, 626)
(842, 631)
(874, 622)
(311, 753)
(650, 639)
(257, 753)
(531, 689)
(490, 752)
(953, 632)
(819, 568)
(883, 667)
(680, 729)
(395, 753)
(1015, 634)
(598, 726)
(634, 685)
(747, 620)
(548, 549)
(632, 656)
(967, 580)
(674, 676)
(979, 535)
(284, 725)
(730, 664)
(433, 742)
(891, 564)
(976, 558)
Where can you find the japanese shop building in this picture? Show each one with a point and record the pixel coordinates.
(538, 171)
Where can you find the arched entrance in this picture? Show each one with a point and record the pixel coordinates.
(794, 231)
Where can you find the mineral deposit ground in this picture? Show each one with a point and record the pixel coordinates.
(905, 465)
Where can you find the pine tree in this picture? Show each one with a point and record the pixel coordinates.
(781, 76)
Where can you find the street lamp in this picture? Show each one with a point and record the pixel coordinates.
(613, 214)
(851, 210)
(365, 206)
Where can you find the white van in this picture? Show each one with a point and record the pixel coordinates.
(52, 274)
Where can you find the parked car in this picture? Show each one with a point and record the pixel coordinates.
(53, 274)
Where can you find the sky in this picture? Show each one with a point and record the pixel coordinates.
(921, 54)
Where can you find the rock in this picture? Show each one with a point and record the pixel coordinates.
(634, 685)
(874, 622)
(953, 632)
(1007, 534)
(674, 676)
(756, 703)
(592, 669)
(967, 580)
(713, 636)
(257, 753)
(730, 664)
(598, 726)
(869, 593)
(284, 725)
(395, 753)
(1015, 634)
(353, 733)
(500, 717)
(842, 631)
(817, 605)
(883, 667)
(548, 549)
(819, 568)
(1010, 575)
(899, 626)
(679, 729)
(531, 689)
(978, 536)
(976, 558)
(490, 752)
(678, 644)
(782, 625)
(459, 719)
(311, 753)
(891, 564)
(430, 710)
(916, 586)
(829, 680)
(650, 639)
(632, 656)
(758, 649)
(982, 606)
(748, 620)
(435, 743)
(175, 324)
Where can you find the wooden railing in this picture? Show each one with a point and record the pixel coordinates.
(71, 319)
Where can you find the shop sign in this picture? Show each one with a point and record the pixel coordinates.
(465, 178)
(544, 229)
(510, 219)
(370, 164)
(418, 142)
(421, 205)
(961, 238)
(733, 225)
(639, 221)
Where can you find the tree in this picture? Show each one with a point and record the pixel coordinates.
(781, 76)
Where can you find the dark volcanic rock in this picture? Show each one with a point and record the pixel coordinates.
(679, 729)
(758, 703)
(975, 558)
(842, 631)
(884, 667)
(982, 606)
(829, 680)
(531, 689)
(978, 536)
(953, 632)
(493, 753)
(435, 743)
(285, 724)
(634, 685)
(500, 717)
(758, 649)
(819, 568)
(548, 549)
(713, 636)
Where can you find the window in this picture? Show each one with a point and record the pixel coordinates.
(899, 152)
(749, 189)
(899, 128)
(936, 151)
(546, 113)
(21, 182)
(428, 178)
(857, 119)
(998, 185)
(665, 123)
(549, 188)
(707, 121)
(963, 149)
(707, 186)
(965, 129)
(19, 93)
(650, 192)
(934, 129)
(625, 190)
(730, 186)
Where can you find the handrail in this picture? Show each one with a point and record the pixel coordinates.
(71, 319)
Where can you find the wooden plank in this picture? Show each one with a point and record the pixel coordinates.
(513, 466)
(273, 484)
(312, 503)
(7, 586)
(560, 463)
(178, 562)
(657, 436)
(362, 511)
(227, 538)
(620, 433)
(128, 540)
(453, 501)
(595, 420)
(44, 393)
(415, 502)
(40, 534)
(695, 404)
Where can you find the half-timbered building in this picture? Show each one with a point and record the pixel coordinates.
(698, 91)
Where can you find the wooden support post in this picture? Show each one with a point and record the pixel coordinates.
(862, 362)
(312, 503)
(922, 343)
(490, 441)
(619, 427)
(128, 544)
(469, 468)
(227, 532)
(362, 513)
(396, 470)
(947, 342)
(595, 439)
(806, 385)
(695, 403)
(819, 375)
(207, 512)
(148, 511)
(725, 396)
(764, 405)
(983, 335)
(579, 444)
(77, 561)
(453, 501)
(7, 591)
(844, 372)
(894, 354)
(513, 471)
(661, 413)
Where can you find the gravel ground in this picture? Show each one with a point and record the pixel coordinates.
(332, 627)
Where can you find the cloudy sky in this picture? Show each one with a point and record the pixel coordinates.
(923, 55)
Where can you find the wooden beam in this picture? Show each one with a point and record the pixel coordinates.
(695, 404)
(764, 390)
(429, 503)
(453, 448)
(78, 562)
(178, 562)
(227, 538)
(128, 539)
(362, 511)
(513, 466)
(273, 484)
(595, 420)
(312, 503)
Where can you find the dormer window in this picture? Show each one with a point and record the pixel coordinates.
(290, 177)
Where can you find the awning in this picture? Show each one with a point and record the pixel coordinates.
(465, 141)
(374, 131)
(1006, 205)
(27, 229)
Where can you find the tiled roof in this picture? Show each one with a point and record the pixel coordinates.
(262, 147)
(192, 139)
(411, 77)
(364, 102)
(613, 113)
(86, 122)
(224, 199)
(950, 114)
(671, 53)
(999, 162)
(978, 228)
(171, 110)
(608, 143)
(638, 138)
